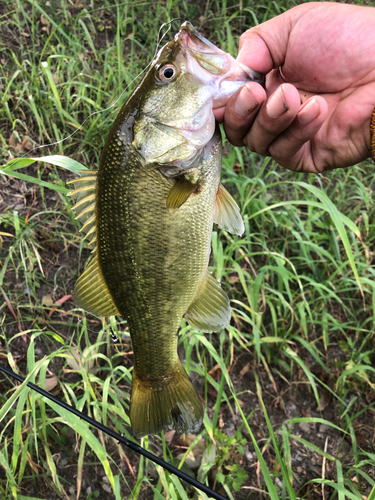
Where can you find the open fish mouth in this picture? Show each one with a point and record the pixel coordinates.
(212, 59)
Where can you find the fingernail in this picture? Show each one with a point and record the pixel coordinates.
(245, 103)
(276, 105)
(309, 112)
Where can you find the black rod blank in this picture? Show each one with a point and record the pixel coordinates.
(130, 444)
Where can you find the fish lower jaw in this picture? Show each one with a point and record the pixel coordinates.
(200, 147)
(226, 88)
(179, 167)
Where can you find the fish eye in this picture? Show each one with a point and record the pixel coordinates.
(167, 73)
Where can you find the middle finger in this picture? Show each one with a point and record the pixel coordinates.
(273, 118)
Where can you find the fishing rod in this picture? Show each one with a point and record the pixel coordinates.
(130, 444)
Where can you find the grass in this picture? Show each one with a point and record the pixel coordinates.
(288, 387)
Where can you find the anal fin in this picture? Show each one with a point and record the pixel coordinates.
(227, 213)
(210, 310)
(91, 292)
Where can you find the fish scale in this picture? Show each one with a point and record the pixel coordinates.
(144, 283)
(157, 194)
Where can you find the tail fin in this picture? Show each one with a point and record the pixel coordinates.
(170, 402)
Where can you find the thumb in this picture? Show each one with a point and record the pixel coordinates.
(264, 47)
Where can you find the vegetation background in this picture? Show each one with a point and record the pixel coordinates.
(288, 387)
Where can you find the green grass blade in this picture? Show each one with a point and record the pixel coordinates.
(339, 220)
(280, 460)
(372, 494)
(33, 180)
(83, 430)
(58, 160)
(5, 464)
(294, 356)
(81, 455)
(312, 446)
(18, 424)
(51, 82)
(20, 389)
(339, 488)
(266, 474)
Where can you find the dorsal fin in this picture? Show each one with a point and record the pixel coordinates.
(210, 310)
(227, 213)
(85, 195)
(91, 292)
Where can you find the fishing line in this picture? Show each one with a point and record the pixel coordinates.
(159, 40)
(130, 444)
(90, 116)
(168, 30)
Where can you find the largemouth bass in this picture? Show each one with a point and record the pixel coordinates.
(149, 212)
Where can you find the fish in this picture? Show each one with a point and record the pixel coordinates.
(148, 213)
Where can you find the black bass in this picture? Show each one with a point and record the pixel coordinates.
(149, 212)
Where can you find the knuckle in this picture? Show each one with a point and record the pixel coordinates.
(234, 139)
(244, 36)
(249, 143)
(255, 147)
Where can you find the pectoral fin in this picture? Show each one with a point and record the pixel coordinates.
(210, 311)
(180, 192)
(227, 213)
(91, 292)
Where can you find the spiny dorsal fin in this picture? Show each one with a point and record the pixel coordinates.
(84, 194)
(179, 193)
(91, 292)
(210, 310)
(227, 213)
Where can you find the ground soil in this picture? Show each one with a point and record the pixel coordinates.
(283, 399)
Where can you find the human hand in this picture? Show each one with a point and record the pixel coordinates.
(315, 111)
